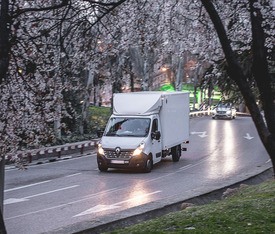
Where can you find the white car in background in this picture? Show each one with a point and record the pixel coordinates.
(224, 111)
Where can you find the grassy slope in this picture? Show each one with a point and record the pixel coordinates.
(250, 209)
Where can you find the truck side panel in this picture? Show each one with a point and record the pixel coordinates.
(174, 117)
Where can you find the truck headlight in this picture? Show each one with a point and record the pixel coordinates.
(228, 112)
(139, 149)
(100, 150)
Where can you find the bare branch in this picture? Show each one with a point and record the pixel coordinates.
(25, 10)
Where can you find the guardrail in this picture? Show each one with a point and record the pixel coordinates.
(52, 151)
(200, 113)
(77, 147)
(210, 112)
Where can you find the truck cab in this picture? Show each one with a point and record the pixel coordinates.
(130, 142)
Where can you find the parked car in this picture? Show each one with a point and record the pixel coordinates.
(224, 111)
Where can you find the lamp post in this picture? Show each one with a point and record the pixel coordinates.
(195, 87)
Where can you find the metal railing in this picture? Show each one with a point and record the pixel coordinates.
(52, 151)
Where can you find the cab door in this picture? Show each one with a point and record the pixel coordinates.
(156, 140)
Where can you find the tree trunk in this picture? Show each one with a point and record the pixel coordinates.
(86, 103)
(2, 224)
(235, 72)
(4, 40)
(179, 74)
(146, 75)
(2, 181)
(4, 65)
(263, 79)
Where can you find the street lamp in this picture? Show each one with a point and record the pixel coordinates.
(164, 69)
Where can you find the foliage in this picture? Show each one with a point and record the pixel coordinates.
(44, 54)
(48, 47)
(217, 74)
(99, 117)
(250, 210)
(57, 50)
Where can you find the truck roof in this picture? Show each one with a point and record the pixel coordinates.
(140, 103)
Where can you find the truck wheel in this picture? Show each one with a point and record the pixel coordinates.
(176, 153)
(148, 166)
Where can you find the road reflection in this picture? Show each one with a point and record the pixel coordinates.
(138, 195)
(222, 142)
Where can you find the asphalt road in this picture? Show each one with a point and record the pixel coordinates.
(67, 195)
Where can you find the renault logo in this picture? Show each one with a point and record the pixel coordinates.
(118, 150)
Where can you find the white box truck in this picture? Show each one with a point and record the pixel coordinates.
(144, 128)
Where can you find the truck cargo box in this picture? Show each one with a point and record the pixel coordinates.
(172, 107)
(174, 116)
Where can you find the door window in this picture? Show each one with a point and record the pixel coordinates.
(155, 125)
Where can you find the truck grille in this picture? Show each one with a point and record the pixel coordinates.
(113, 154)
(221, 112)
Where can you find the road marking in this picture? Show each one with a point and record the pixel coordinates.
(192, 165)
(200, 134)
(73, 175)
(99, 208)
(66, 204)
(248, 137)
(185, 167)
(95, 209)
(26, 186)
(16, 200)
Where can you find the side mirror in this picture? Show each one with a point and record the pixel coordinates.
(155, 135)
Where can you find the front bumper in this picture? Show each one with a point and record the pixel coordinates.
(223, 116)
(133, 162)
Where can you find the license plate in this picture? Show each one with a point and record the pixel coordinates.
(118, 161)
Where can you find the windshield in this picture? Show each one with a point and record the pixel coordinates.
(224, 105)
(135, 127)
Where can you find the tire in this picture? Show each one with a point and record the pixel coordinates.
(176, 153)
(148, 165)
(102, 168)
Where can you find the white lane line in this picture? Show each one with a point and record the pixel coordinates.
(137, 197)
(100, 208)
(27, 186)
(73, 175)
(64, 205)
(192, 165)
(52, 191)
(16, 200)
(185, 167)
(177, 171)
